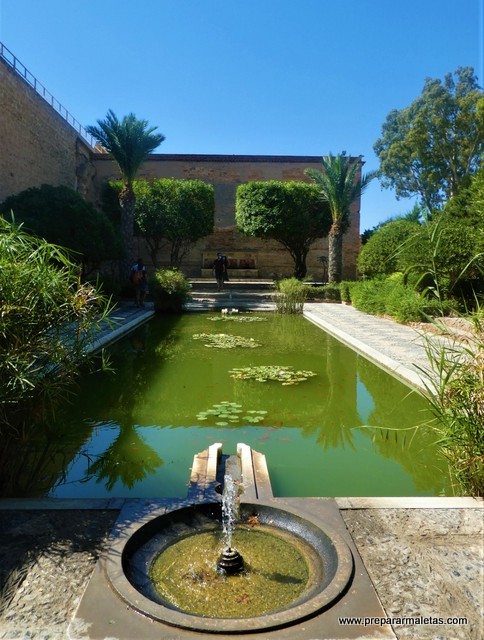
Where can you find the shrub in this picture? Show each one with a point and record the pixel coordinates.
(290, 296)
(368, 296)
(457, 397)
(63, 217)
(390, 296)
(345, 290)
(380, 254)
(403, 303)
(45, 326)
(324, 292)
(444, 253)
(170, 290)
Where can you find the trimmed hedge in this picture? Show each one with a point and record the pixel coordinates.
(170, 290)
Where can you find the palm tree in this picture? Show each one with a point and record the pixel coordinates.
(129, 142)
(340, 187)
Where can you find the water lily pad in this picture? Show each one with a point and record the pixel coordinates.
(225, 340)
(278, 373)
(237, 318)
(222, 424)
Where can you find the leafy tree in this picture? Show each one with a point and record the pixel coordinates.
(173, 212)
(63, 217)
(129, 141)
(431, 148)
(292, 213)
(339, 185)
(380, 254)
(45, 325)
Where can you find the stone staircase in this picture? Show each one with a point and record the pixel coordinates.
(238, 286)
(240, 294)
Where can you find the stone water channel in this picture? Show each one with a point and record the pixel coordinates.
(423, 555)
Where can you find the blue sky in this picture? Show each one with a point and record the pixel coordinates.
(284, 77)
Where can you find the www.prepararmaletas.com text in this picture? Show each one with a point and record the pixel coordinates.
(404, 620)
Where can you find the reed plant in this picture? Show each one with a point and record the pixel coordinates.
(456, 393)
(290, 296)
(46, 327)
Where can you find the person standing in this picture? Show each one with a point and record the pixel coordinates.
(138, 278)
(220, 270)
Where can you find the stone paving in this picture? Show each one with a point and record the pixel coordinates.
(398, 348)
(424, 556)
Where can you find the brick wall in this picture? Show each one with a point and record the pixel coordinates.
(226, 173)
(37, 145)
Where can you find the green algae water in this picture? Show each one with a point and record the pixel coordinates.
(275, 574)
(349, 430)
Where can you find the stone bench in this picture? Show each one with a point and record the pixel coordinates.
(241, 264)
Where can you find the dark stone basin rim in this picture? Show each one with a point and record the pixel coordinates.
(335, 558)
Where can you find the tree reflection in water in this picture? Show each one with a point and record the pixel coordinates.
(127, 460)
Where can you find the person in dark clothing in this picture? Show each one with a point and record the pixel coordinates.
(220, 270)
(138, 278)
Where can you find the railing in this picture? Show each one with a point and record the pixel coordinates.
(25, 74)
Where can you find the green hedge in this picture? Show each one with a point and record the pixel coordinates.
(170, 290)
(390, 296)
(324, 292)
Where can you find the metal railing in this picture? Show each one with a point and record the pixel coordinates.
(28, 77)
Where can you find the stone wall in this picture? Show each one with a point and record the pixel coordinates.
(37, 145)
(226, 173)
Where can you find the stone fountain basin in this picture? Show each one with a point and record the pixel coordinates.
(327, 554)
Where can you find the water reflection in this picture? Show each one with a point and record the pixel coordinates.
(351, 418)
(128, 460)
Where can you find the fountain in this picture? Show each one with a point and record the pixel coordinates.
(230, 566)
(230, 561)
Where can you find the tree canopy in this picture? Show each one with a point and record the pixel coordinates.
(292, 213)
(129, 141)
(173, 212)
(431, 147)
(63, 217)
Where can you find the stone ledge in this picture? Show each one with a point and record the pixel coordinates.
(233, 273)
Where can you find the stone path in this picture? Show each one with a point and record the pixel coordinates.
(398, 348)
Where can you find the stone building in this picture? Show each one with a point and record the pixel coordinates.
(40, 142)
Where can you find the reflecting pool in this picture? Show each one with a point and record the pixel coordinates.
(350, 430)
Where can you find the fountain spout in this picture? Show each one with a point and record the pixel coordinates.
(230, 562)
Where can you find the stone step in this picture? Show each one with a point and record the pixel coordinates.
(236, 285)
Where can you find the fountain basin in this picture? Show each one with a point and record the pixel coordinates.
(328, 558)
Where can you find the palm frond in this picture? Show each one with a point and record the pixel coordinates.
(129, 141)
